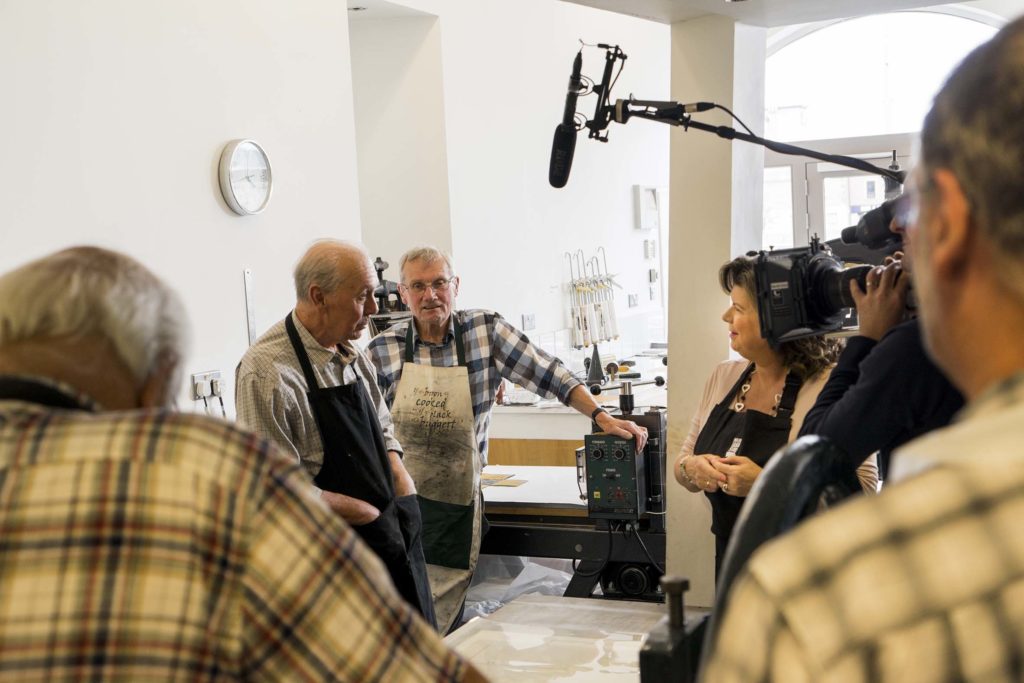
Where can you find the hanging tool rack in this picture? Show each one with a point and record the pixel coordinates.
(591, 299)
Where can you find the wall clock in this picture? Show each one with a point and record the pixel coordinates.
(245, 177)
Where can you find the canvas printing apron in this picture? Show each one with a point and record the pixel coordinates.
(433, 416)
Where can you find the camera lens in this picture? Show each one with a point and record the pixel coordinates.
(829, 291)
(858, 273)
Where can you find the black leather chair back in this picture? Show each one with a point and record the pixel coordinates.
(798, 478)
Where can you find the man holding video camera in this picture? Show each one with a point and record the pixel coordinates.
(884, 390)
(924, 582)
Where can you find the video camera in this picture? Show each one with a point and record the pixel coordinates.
(873, 231)
(803, 292)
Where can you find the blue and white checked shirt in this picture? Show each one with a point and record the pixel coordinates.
(494, 349)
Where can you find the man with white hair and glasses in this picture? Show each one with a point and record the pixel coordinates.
(137, 543)
(440, 373)
(925, 582)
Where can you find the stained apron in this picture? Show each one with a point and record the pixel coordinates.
(433, 416)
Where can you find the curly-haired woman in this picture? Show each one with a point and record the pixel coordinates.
(751, 407)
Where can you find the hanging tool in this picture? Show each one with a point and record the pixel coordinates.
(609, 281)
(574, 307)
(585, 303)
(600, 320)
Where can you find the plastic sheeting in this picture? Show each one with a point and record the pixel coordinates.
(499, 579)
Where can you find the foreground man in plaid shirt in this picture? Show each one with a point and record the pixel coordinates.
(925, 582)
(141, 544)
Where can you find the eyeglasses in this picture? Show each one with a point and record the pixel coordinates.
(921, 184)
(441, 284)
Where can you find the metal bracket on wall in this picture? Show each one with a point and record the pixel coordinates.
(250, 307)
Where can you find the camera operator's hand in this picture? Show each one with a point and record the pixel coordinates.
(883, 305)
(894, 257)
(740, 472)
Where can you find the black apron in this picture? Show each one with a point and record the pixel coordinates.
(752, 434)
(356, 464)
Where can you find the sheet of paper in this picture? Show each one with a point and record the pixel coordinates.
(504, 482)
(540, 639)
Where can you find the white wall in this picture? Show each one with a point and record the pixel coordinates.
(114, 116)
(505, 70)
(715, 198)
(400, 135)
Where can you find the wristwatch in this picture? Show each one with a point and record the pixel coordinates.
(597, 411)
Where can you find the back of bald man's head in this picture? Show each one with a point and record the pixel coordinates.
(330, 264)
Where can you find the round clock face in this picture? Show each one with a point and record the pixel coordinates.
(245, 177)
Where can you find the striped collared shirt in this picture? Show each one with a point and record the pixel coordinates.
(158, 546)
(270, 391)
(494, 349)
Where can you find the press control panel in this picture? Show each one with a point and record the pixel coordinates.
(616, 478)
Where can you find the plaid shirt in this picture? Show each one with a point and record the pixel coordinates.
(924, 582)
(270, 391)
(162, 546)
(494, 349)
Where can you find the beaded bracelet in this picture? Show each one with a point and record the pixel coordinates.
(682, 470)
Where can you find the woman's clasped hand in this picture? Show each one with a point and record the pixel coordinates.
(732, 474)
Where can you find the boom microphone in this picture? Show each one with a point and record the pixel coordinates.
(564, 143)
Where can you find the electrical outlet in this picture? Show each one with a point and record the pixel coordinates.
(634, 300)
(529, 321)
(202, 384)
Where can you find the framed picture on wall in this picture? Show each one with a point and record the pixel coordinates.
(648, 202)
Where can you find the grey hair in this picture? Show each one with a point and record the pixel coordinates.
(426, 254)
(976, 130)
(85, 291)
(325, 264)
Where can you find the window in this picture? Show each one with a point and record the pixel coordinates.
(858, 87)
(778, 208)
(868, 76)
